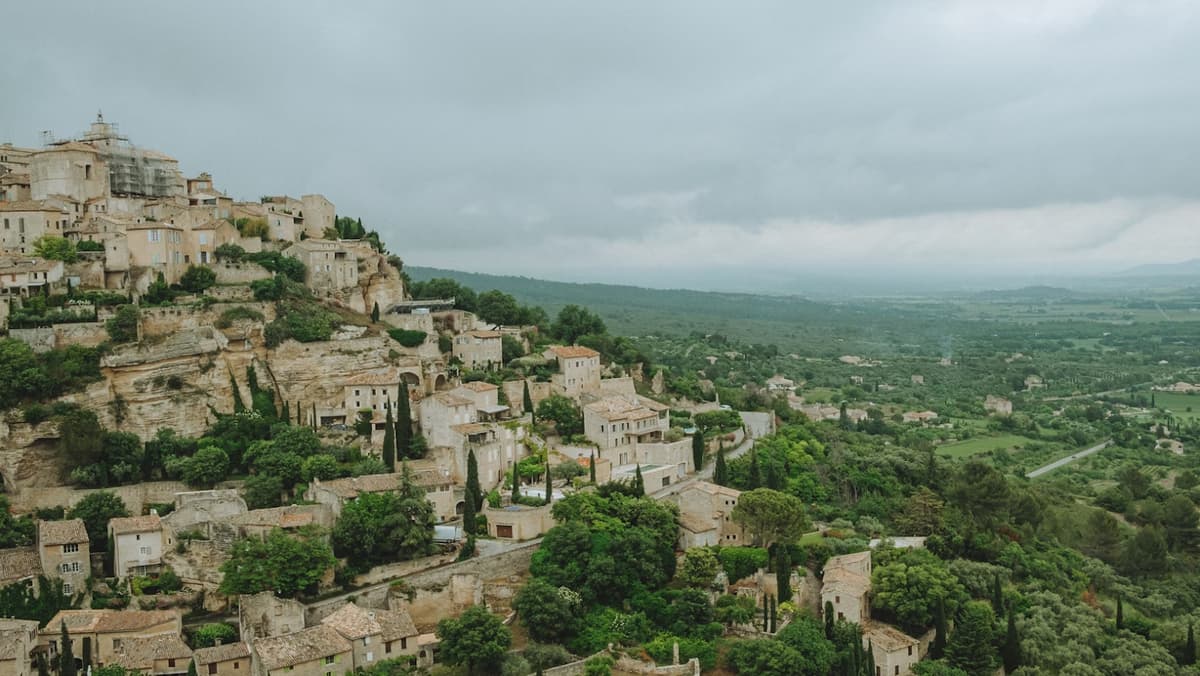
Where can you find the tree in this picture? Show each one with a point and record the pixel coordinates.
(970, 647)
(938, 647)
(698, 450)
(389, 439)
(1010, 652)
(516, 485)
(1120, 614)
(699, 569)
(1189, 650)
(720, 471)
(477, 639)
(766, 657)
(527, 401)
(592, 467)
(54, 248)
(383, 527)
(283, 564)
(829, 619)
(1180, 519)
(549, 484)
(639, 484)
(197, 278)
(404, 430)
(1145, 553)
(922, 513)
(320, 466)
(911, 585)
(66, 658)
(783, 573)
(96, 509)
(209, 465)
(262, 490)
(209, 634)
(574, 322)
(771, 516)
(229, 252)
(473, 487)
(549, 613)
(81, 439)
(997, 596)
(754, 475)
(982, 493)
(566, 416)
(122, 327)
(375, 313)
(470, 522)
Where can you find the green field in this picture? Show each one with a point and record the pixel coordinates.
(1183, 406)
(963, 449)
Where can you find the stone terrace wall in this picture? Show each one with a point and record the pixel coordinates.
(135, 496)
(239, 273)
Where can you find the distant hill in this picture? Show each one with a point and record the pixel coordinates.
(1039, 292)
(1190, 268)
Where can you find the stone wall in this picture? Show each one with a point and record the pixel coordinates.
(239, 273)
(393, 571)
(44, 339)
(39, 339)
(626, 667)
(136, 496)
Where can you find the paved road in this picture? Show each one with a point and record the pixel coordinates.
(1067, 460)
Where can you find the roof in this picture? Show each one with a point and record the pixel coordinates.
(842, 579)
(277, 517)
(713, 489)
(696, 524)
(573, 351)
(447, 399)
(479, 386)
(846, 559)
(140, 652)
(108, 621)
(61, 532)
(395, 624)
(376, 377)
(71, 145)
(471, 428)
(10, 264)
(30, 205)
(299, 647)
(887, 637)
(484, 334)
(212, 225)
(353, 622)
(620, 407)
(221, 653)
(134, 524)
(19, 563)
(153, 225)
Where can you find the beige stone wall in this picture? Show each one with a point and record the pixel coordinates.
(53, 557)
(262, 615)
(478, 353)
(518, 522)
(342, 663)
(239, 273)
(129, 554)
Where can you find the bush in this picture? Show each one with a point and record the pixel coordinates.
(197, 278)
(742, 562)
(236, 313)
(89, 245)
(208, 635)
(407, 338)
(229, 252)
(544, 656)
(662, 650)
(123, 326)
(36, 413)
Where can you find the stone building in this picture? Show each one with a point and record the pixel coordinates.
(578, 370)
(846, 584)
(497, 447)
(318, 214)
(23, 223)
(624, 421)
(137, 544)
(157, 247)
(896, 653)
(486, 398)
(316, 651)
(155, 655)
(518, 522)
(203, 240)
(18, 639)
(65, 553)
(329, 265)
(19, 565)
(26, 276)
(439, 488)
(440, 412)
(375, 634)
(230, 659)
(705, 520)
(263, 614)
(479, 349)
(106, 632)
(998, 405)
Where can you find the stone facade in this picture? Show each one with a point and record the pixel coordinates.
(578, 370)
(263, 614)
(65, 553)
(705, 511)
(518, 522)
(846, 584)
(329, 265)
(479, 349)
(137, 543)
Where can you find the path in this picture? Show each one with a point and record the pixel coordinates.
(1067, 460)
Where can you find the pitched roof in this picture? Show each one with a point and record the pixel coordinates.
(842, 579)
(713, 489)
(479, 386)
(385, 376)
(573, 351)
(395, 624)
(484, 334)
(61, 532)
(106, 621)
(140, 652)
(447, 399)
(19, 563)
(278, 517)
(847, 559)
(299, 647)
(620, 407)
(887, 637)
(134, 524)
(29, 205)
(221, 653)
(353, 622)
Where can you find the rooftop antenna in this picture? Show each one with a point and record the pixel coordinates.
(99, 115)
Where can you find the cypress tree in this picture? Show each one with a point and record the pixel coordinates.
(287, 413)
(720, 472)
(238, 404)
(66, 658)
(43, 669)
(698, 450)
(997, 596)
(869, 662)
(549, 483)
(252, 380)
(771, 614)
(765, 604)
(783, 572)
(854, 659)
(1120, 615)
(773, 480)
(755, 479)
(1189, 652)
(829, 620)
(938, 648)
(516, 487)
(192, 668)
(389, 441)
(638, 483)
(314, 415)
(1010, 652)
(375, 313)
(469, 522)
(592, 467)
(404, 432)
(972, 645)
(473, 487)
(527, 401)
(87, 653)
(299, 414)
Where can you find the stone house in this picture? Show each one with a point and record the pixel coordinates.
(22, 223)
(74, 170)
(137, 544)
(479, 349)
(26, 276)
(578, 370)
(375, 634)
(318, 214)
(895, 652)
(918, 380)
(263, 614)
(621, 421)
(260, 522)
(998, 405)
(204, 239)
(107, 631)
(14, 187)
(18, 639)
(497, 447)
(329, 266)
(705, 520)
(518, 522)
(65, 553)
(846, 584)
(654, 477)
(440, 412)
(157, 247)
(19, 564)
(778, 383)
(316, 651)
(919, 416)
(439, 490)
(156, 655)
(230, 659)
(486, 397)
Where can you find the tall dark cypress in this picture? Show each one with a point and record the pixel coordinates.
(404, 431)
(527, 401)
(314, 415)
(42, 667)
(592, 468)
(1120, 614)
(1010, 652)
(783, 572)
(771, 615)
(829, 620)
(470, 524)
(287, 413)
(389, 440)
(755, 480)
(1189, 652)
(375, 313)
(516, 486)
(638, 482)
(869, 661)
(698, 450)
(939, 625)
(720, 471)
(549, 483)
(997, 596)
(66, 658)
(765, 605)
(473, 478)
(238, 404)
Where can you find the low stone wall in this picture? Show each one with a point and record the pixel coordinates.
(39, 339)
(44, 339)
(626, 667)
(394, 571)
(239, 273)
(136, 496)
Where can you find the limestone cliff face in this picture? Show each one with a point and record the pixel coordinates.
(314, 373)
(29, 454)
(378, 282)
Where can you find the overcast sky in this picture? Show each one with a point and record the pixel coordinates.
(668, 143)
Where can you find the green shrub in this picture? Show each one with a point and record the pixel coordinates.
(407, 338)
(742, 562)
(123, 326)
(36, 413)
(89, 245)
(235, 313)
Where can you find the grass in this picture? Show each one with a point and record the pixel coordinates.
(812, 538)
(969, 447)
(1183, 406)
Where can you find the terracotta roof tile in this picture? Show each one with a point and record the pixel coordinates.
(140, 652)
(134, 524)
(302, 646)
(61, 532)
(19, 563)
(353, 622)
(221, 653)
(573, 352)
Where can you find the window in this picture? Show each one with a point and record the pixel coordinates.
(87, 176)
(70, 548)
(153, 235)
(387, 647)
(329, 660)
(404, 643)
(170, 661)
(144, 551)
(212, 668)
(370, 656)
(897, 670)
(910, 651)
(204, 238)
(66, 589)
(837, 599)
(66, 568)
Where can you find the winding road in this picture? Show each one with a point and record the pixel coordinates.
(1067, 460)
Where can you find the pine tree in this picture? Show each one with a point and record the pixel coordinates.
(997, 596)
(755, 479)
(592, 468)
(473, 487)
(66, 658)
(829, 620)
(1189, 652)
(375, 313)
(404, 431)
(720, 472)
(971, 646)
(549, 483)
(1010, 652)
(389, 440)
(238, 404)
(869, 660)
(783, 572)
(938, 648)
(470, 524)
(516, 487)
(1120, 615)
(698, 450)
(527, 401)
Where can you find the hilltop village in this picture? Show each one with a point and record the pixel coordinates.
(237, 438)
